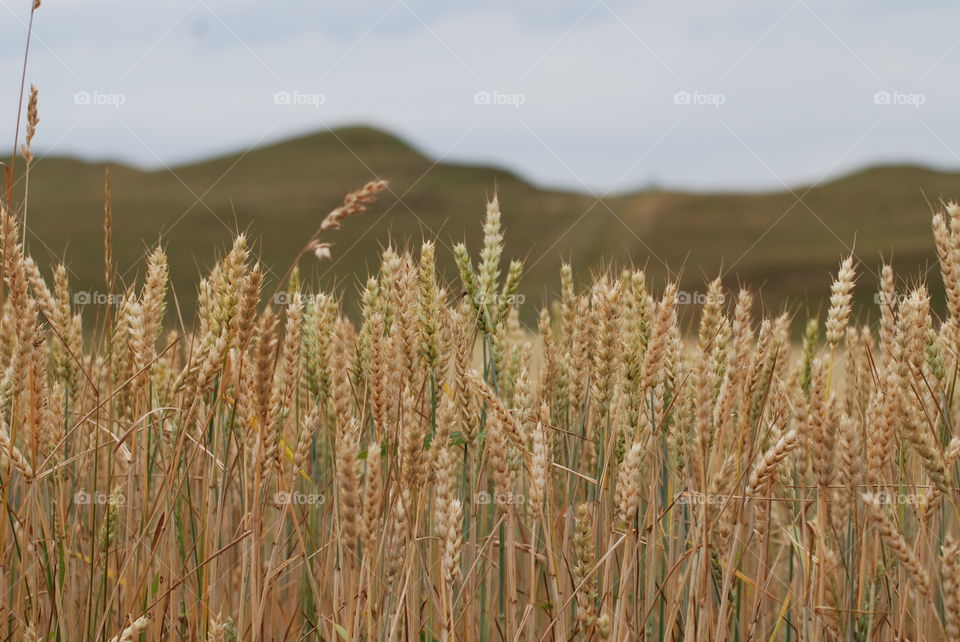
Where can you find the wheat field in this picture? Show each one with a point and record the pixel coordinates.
(274, 470)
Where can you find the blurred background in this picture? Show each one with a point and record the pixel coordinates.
(755, 140)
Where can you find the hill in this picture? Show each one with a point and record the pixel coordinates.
(785, 245)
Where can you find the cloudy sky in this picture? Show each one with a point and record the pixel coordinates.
(605, 95)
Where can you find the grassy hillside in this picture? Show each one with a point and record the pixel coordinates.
(280, 193)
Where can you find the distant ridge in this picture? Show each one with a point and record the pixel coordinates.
(279, 193)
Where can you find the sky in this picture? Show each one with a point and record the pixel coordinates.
(602, 96)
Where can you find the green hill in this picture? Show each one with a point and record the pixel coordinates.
(280, 193)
